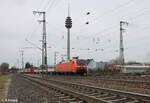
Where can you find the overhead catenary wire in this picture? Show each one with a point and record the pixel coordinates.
(47, 7)
(101, 32)
(109, 12)
(141, 15)
(115, 9)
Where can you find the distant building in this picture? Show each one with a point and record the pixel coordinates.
(96, 65)
(133, 68)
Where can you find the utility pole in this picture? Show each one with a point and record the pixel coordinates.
(44, 42)
(22, 57)
(68, 26)
(18, 63)
(55, 57)
(121, 54)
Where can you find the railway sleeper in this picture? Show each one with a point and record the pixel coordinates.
(88, 92)
(126, 100)
(116, 100)
(109, 98)
(64, 97)
(102, 95)
(77, 102)
(135, 101)
(143, 101)
(70, 100)
(94, 94)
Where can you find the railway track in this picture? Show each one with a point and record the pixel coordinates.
(141, 86)
(73, 92)
(125, 82)
(65, 95)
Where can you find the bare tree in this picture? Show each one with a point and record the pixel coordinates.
(4, 68)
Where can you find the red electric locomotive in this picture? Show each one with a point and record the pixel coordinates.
(74, 66)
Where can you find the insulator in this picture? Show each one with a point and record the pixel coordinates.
(98, 39)
(63, 37)
(68, 23)
(87, 22)
(87, 13)
(93, 39)
(77, 37)
(116, 50)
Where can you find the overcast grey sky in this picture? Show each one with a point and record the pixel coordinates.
(101, 35)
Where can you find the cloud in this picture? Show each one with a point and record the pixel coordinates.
(19, 2)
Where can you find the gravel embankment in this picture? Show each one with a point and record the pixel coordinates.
(24, 92)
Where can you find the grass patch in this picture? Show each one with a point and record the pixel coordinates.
(3, 81)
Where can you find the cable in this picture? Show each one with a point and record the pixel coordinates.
(117, 8)
(51, 5)
(47, 4)
(111, 11)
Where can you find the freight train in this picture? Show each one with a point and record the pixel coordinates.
(75, 66)
(27, 71)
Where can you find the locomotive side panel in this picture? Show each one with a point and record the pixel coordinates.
(66, 67)
(76, 65)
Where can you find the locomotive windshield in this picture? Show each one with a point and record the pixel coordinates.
(81, 62)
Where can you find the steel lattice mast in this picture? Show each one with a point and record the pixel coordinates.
(121, 54)
(44, 42)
